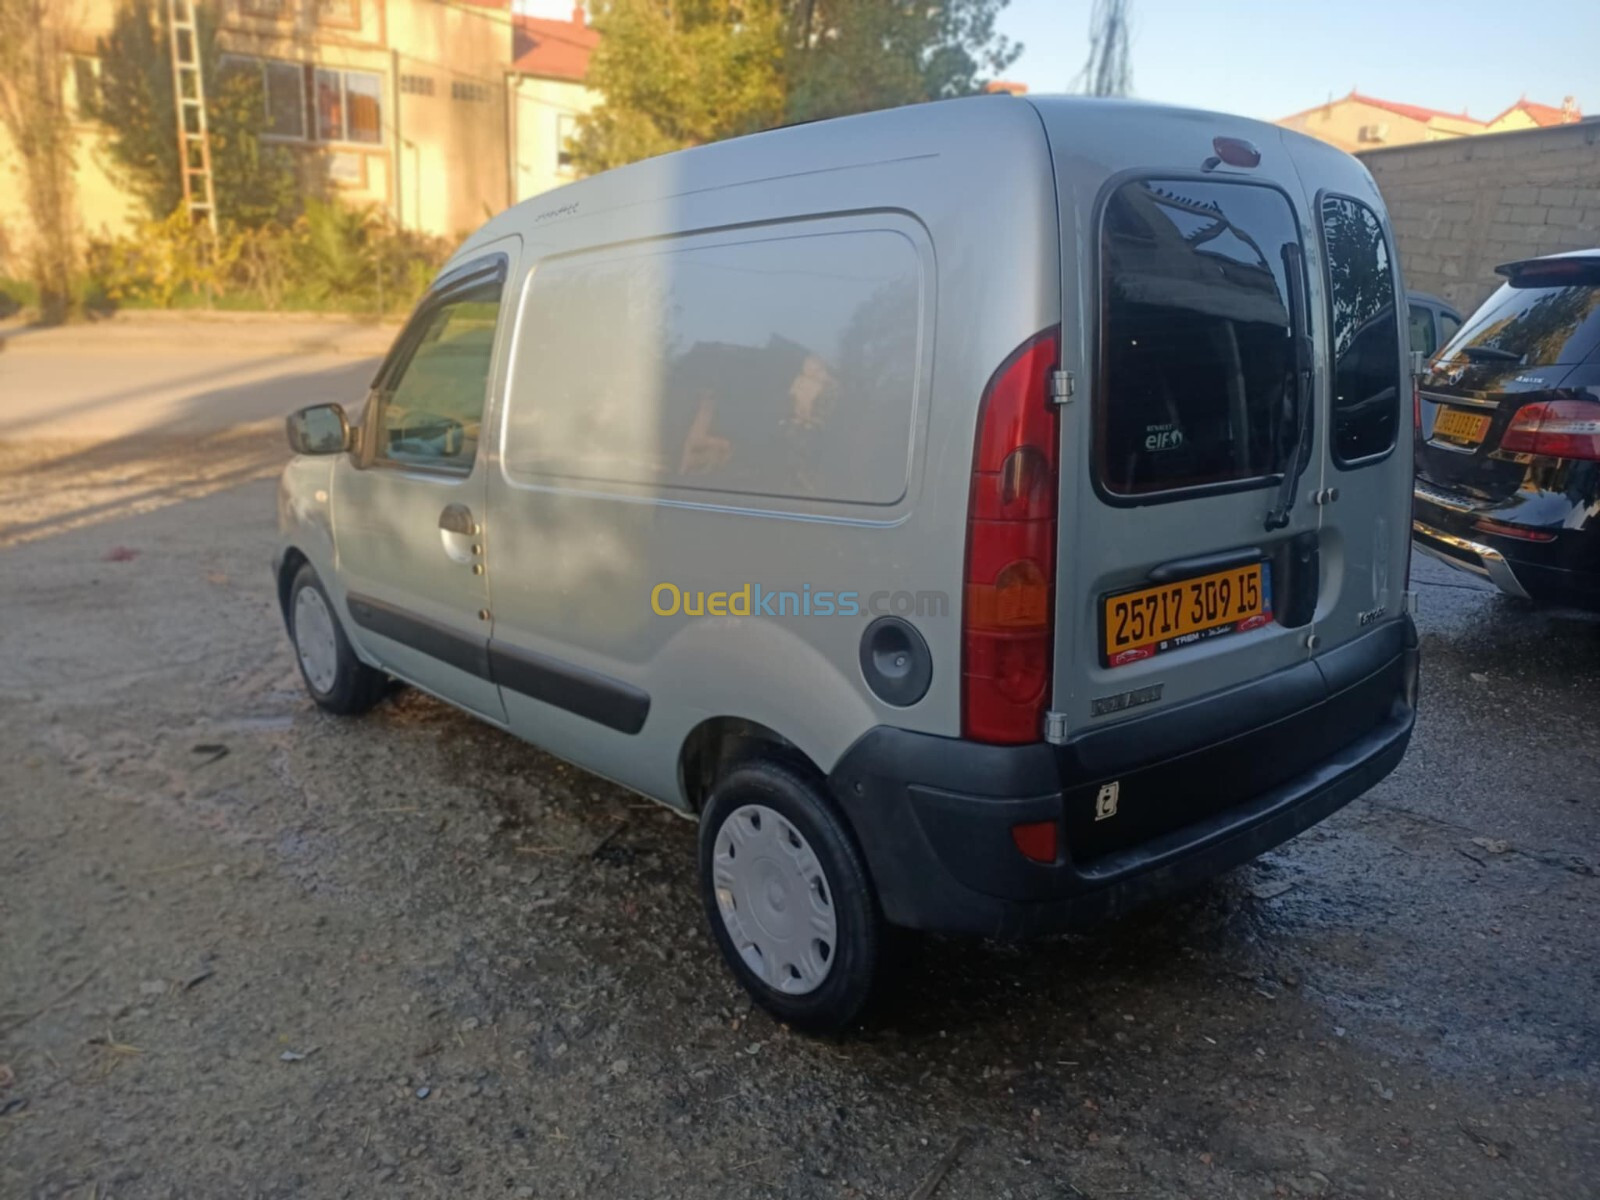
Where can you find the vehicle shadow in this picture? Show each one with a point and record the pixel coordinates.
(209, 442)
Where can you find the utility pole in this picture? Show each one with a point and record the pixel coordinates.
(189, 94)
(1107, 72)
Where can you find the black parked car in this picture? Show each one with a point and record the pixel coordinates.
(1508, 436)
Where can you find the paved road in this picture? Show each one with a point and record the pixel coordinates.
(500, 984)
(168, 387)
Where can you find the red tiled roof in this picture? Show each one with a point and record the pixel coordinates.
(552, 49)
(1415, 111)
(1544, 114)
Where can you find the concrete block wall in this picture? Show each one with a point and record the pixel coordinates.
(1462, 206)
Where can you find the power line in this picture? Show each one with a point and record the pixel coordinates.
(1107, 73)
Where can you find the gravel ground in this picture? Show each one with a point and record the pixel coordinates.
(247, 949)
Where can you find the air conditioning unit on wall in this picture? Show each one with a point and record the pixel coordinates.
(1378, 132)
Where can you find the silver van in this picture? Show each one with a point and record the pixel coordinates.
(983, 516)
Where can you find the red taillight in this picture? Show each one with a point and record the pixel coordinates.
(1555, 429)
(1008, 610)
(1513, 531)
(1036, 840)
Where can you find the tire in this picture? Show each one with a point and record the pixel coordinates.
(811, 905)
(337, 680)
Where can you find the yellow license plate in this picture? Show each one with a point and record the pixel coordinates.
(1150, 621)
(1465, 427)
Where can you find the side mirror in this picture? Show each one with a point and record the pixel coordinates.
(319, 429)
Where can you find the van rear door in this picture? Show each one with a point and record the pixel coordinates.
(1366, 465)
(1188, 550)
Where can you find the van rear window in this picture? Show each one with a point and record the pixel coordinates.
(1367, 392)
(1196, 339)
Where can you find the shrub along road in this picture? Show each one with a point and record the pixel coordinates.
(247, 949)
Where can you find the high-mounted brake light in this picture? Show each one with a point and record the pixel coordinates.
(1008, 609)
(1555, 429)
(1236, 152)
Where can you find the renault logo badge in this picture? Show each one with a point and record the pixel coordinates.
(1105, 804)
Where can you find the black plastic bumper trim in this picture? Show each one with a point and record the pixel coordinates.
(933, 815)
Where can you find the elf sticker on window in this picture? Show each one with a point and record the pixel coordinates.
(1162, 437)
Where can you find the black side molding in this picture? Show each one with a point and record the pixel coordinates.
(612, 703)
(421, 634)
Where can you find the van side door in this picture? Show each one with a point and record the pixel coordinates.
(408, 507)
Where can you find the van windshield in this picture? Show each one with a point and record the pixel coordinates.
(1197, 350)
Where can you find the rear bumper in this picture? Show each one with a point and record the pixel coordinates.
(1464, 554)
(1202, 787)
(1563, 569)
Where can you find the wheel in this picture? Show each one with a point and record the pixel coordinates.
(337, 680)
(788, 897)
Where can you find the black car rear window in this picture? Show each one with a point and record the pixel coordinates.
(1533, 326)
(1366, 336)
(1196, 338)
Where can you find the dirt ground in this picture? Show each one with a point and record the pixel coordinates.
(247, 949)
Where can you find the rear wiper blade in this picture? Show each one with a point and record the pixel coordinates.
(1283, 502)
(1490, 354)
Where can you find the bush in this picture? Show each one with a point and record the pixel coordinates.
(331, 259)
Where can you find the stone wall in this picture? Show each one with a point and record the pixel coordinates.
(1461, 207)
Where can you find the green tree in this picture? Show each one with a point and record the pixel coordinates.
(33, 108)
(678, 73)
(850, 56)
(256, 182)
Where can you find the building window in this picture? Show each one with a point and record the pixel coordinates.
(283, 93)
(566, 130)
(85, 87)
(472, 93)
(417, 85)
(349, 106)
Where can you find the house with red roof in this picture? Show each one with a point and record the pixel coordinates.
(1358, 122)
(548, 93)
(1525, 114)
(438, 112)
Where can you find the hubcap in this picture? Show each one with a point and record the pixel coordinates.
(314, 641)
(774, 899)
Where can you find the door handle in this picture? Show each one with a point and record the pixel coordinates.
(457, 534)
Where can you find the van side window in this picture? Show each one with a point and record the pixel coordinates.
(783, 364)
(430, 402)
(1365, 334)
(1422, 330)
(1197, 353)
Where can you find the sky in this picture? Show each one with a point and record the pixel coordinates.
(1270, 58)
